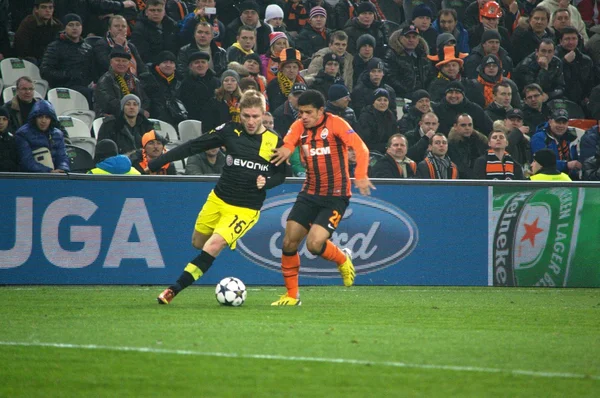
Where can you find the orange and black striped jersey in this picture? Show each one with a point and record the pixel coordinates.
(324, 148)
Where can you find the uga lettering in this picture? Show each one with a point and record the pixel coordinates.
(133, 215)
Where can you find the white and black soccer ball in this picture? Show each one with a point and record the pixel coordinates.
(231, 291)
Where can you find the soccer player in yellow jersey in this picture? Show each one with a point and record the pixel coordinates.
(233, 206)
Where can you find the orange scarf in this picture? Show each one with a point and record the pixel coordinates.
(488, 89)
(169, 79)
(144, 165)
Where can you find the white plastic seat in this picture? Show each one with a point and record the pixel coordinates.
(14, 68)
(96, 124)
(70, 102)
(165, 129)
(79, 133)
(189, 129)
(9, 93)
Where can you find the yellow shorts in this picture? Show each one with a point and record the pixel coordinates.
(231, 222)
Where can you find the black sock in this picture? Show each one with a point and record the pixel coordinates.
(193, 271)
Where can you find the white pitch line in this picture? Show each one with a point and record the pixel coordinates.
(516, 372)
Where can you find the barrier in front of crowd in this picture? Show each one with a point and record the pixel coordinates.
(79, 229)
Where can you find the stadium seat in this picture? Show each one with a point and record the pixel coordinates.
(69, 102)
(80, 159)
(9, 93)
(584, 124)
(166, 130)
(96, 124)
(575, 111)
(79, 133)
(91, 40)
(14, 68)
(189, 129)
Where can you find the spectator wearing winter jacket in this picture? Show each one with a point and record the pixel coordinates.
(557, 136)
(422, 16)
(117, 83)
(287, 76)
(202, 40)
(116, 36)
(37, 31)
(329, 76)
(338, 43)
(526, 40)
(21, 104)
(497, 163)
(420, 103)
(465, 145)
(544, 68)
(490, 44)
(369, 81)
(68, 60)
(154, 31)
(40, 138)
(406, 58)
(489, 76)
(377, 123)
(190, 23)
(126, 128)
(338, 99)
(578, 68)
(365, 23)
(9, 160)
(447, 22)
(248, 16)
(198, 86)
(161, 84)
(314, 35)
(395, 163)
(270, 61)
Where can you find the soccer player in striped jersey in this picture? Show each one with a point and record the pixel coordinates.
(324, 140)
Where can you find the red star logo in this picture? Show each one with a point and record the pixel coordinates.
(531, 230)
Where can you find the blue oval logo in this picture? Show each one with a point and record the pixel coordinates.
(378, 233)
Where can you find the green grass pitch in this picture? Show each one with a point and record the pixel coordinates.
(343, 342)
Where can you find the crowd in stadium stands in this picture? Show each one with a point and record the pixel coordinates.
(481, 86)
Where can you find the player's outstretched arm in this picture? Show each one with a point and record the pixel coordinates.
(353, 140)
(197, 145)
(280, 155)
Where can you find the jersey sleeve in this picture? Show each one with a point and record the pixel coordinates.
(213, 139)
(351, 138)
(278, 173)
(292, 138)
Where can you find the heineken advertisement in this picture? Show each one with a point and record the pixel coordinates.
(544, 237)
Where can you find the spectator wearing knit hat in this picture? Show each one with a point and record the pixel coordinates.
(490, 44)
(108, 160)
(422, 16)
(161, 84)
(368, 82)
(202, 40)
(249, 16)
(67, 61)
(274, 17)
(270, 61)
(331, 21)
(455, 103)
(544, 167)
(252, 63)
(127, 127)
(198, 86)
(365, 22)
(366, 50)
(420, 103)
(280, 87)
(328, 76)
(314, 35)
(338, 99)
(153, 145)
(36, 31)
(406, 57)
(490, 75)
(117, 83)
(377, 123)
(295, 16)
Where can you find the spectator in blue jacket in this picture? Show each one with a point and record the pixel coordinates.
(447, 22)
(557, 136)
(41, 132)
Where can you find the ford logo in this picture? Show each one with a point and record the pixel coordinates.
(378, 233)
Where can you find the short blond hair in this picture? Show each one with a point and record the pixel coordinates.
(253, 99)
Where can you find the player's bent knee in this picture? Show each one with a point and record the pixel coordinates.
(314, 246)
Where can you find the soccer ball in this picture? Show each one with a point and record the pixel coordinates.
(231, 291)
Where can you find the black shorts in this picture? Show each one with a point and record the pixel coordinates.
(326, 211)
